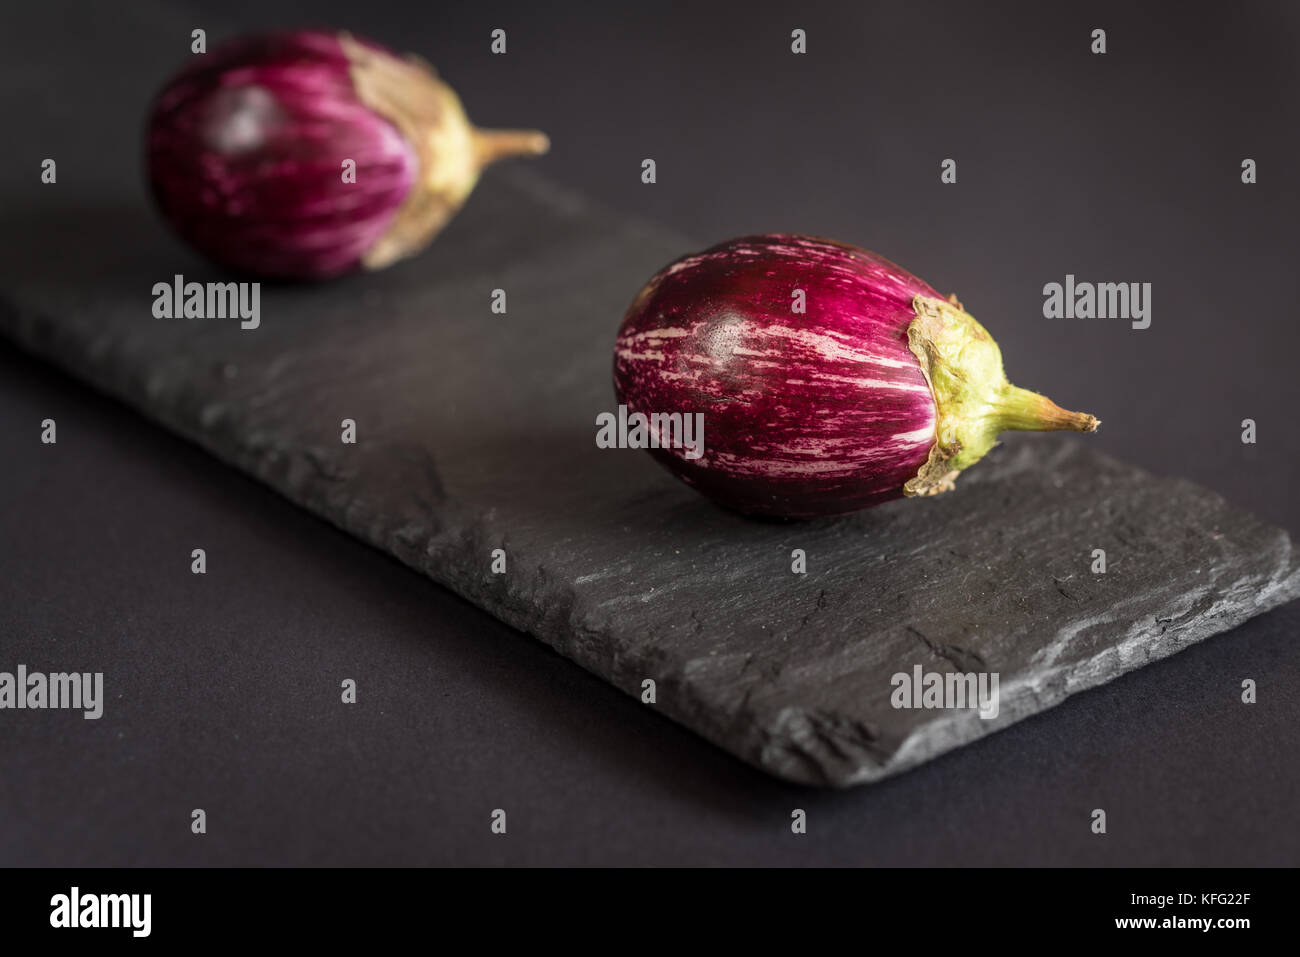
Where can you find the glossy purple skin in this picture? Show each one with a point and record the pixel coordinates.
(246, 149)
(805, 415)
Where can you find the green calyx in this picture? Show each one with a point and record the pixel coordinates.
(973, 400)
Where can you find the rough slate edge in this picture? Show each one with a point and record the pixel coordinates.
(800, 743)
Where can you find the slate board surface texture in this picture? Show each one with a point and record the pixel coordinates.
(476, 431)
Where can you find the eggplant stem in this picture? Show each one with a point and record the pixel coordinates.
(1025, 411)
(492, 145)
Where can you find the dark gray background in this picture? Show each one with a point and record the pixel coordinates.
(225, 688)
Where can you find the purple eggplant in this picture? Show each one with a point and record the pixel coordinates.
(830, 379)
(312, 153)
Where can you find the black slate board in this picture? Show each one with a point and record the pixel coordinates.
(476, 432)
